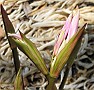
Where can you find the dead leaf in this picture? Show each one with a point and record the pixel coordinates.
(2, 33)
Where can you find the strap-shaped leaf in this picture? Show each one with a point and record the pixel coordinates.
(8, 26)
(29, 48)
(75, 50)
(18, 84)
(10, 29)
(65, 53)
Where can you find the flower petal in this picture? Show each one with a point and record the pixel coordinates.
(74, 25)
(62, 35)
(17, 36)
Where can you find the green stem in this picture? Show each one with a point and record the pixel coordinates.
(64, 78)
(51, 83)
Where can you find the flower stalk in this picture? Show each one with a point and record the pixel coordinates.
(51, 83)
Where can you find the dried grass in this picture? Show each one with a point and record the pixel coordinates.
(41, 21)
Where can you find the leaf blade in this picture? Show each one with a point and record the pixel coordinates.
(10, 29)
(18, 84)
(31, 51)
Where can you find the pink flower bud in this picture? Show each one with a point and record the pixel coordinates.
(69, 29)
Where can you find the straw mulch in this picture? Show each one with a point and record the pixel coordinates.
(41, 21)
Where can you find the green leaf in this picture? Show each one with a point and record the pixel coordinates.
(64, 55)
(29, 48)
(18, 84)
(10, 29)
(71, 60)
(76, 48)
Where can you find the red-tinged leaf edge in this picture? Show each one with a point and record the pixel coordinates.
(71, 60)
(10, 29)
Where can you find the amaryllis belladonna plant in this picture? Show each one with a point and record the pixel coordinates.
(68, 40)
